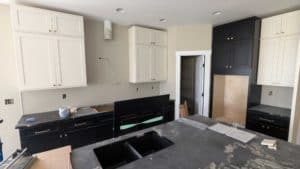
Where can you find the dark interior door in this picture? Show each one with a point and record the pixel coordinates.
(187, 86)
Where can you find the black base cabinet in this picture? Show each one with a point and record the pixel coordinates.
(79, 132)
(270, 124)
(41, 138)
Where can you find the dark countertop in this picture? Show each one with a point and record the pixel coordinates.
(272, 110)
(53, 116)
(196, 148)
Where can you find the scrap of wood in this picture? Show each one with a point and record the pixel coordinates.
(184, 112)
(53, 159)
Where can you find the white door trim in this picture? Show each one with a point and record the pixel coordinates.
(207, 61)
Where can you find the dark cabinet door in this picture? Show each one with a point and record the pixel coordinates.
(268, 129)
(42, 140)
(233, 46)
(221, 57)
(241, 52)
(221, 33)
(243, 30)
(88, 135)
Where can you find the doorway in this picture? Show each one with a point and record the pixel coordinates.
(191, 84)
(200, 74)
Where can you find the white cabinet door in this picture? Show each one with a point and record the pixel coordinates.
(71, 69)
(271, 27)
(159, 37)
(69, 25)
(287, 61)
(35, 58)
(143, 66)
(291, 23)
(159, 63)
(268, 58)
(142, 35)
(27, 19)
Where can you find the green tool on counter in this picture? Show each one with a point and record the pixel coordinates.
(128, 126)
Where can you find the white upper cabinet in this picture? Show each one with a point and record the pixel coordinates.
(279, 50)
(281, 25)
(50, 49)
(271, 27)
(147, 55)
(36, 64)
(159, 63)
(69, 25)
(35, 20)
(141, 35)
(268, 61)
(148, 36)
(142, 66)
(288, 60)
(29, 19)
(159, 38)
(71, 69)
(291, 22)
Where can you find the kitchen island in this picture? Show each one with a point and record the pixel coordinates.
(196, 148)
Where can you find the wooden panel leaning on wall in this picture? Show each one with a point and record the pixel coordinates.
(230, 98)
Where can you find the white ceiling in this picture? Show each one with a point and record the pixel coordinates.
(4, 1)
(177, 12)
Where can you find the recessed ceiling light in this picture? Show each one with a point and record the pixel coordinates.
(217, 13)
(163, 20)
(120, 10)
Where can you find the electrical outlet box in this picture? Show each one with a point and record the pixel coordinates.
(64, 96)
(270, 93)
(8, 101)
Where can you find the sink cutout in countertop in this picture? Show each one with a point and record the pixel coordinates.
(117, 154)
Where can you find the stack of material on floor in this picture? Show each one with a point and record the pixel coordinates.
(184, 112)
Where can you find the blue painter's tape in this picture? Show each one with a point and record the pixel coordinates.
(1, 154)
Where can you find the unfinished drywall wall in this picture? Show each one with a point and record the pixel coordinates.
(279, 96)
(8, 85)
(184, 38)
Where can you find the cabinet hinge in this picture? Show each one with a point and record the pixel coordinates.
(202, 94)
(203, 65)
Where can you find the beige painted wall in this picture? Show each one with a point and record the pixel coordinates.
(184, 38)
(107, 79)
(8, 85)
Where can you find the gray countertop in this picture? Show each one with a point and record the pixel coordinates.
(195, 148)
(272, 110)
(53, 116)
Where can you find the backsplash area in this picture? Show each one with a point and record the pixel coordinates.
(277, 96)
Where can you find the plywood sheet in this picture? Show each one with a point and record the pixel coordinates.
(218, 96)
(54, 159)
(230, 98)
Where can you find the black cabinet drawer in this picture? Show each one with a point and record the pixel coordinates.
(75, 132)
(88, 121)
(267, 129)
(89, 135)
(265, 118)
(42, 142)
(39, 130)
